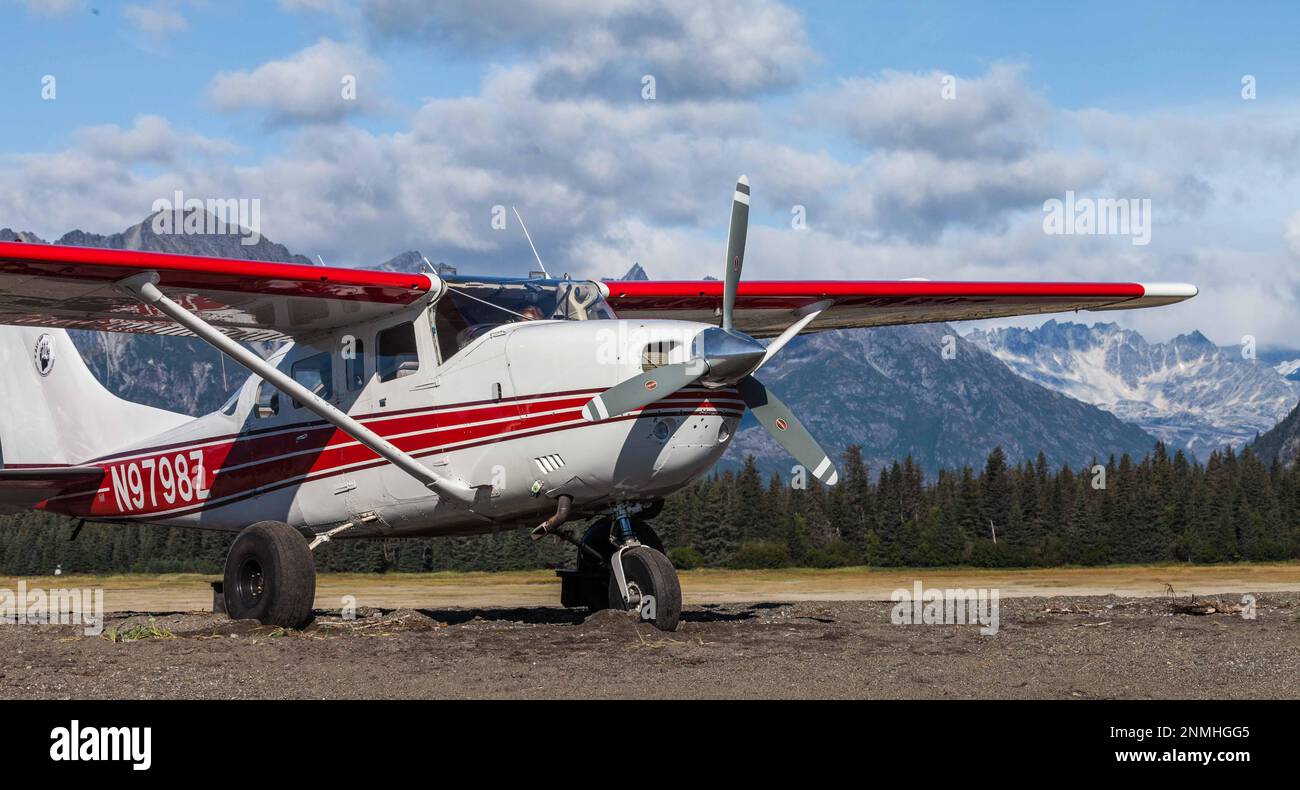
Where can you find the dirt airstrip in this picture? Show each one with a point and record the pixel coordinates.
(743, 634)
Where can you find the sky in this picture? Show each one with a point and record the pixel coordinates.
(882, 140)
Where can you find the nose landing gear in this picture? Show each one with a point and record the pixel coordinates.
(621, 565)
(648, 586)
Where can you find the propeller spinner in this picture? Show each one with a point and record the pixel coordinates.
(726, 357)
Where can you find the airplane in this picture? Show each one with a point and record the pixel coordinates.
(400, 405)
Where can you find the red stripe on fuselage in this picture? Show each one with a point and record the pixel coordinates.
(248, 465)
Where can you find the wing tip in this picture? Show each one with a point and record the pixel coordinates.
(1169, 290)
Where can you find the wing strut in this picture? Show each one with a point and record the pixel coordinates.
(144, 287)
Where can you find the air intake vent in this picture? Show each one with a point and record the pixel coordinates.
(549, 463)
(655, 355)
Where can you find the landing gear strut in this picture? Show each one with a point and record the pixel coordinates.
(631, 573)
(270, 576)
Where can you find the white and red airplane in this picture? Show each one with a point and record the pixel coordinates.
(414, 404)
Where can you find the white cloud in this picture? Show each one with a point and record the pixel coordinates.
(1292, 234)
(157, 20)
(150, 139)
(693, 48)
(309, 86)
(52, 8)
(317, 6)
(994, 115)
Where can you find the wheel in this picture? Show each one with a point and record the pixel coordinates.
(649, 572)
(589, 586)
(270, 576)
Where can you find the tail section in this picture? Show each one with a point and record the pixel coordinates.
(52, 409)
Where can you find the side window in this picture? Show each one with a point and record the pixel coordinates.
(354, 365)
(268, 401)
(397, 354)
(316, 373)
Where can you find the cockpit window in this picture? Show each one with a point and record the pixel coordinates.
(473, 308)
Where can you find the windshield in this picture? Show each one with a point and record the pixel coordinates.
(472, 307)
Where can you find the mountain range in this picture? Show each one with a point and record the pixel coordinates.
(1187, 391)
(893, 391)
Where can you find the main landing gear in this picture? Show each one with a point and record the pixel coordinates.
(270, 576)
(621, 565)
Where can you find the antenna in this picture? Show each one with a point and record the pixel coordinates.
(530, 241)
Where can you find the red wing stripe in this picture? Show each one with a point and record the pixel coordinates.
(195, 273)
(822, 289)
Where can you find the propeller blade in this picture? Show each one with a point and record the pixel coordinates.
(735, 248)
(643, 390)
(808, 314)
(779, 421)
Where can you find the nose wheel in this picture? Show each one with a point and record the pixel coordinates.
(651, 585)
(650, 579)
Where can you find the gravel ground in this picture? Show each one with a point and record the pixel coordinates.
(1059, 647)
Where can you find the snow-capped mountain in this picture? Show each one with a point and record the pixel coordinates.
(1289, 369)
(1188, 392)
(892, 391)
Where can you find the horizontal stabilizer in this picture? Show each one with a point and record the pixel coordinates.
(24, 487)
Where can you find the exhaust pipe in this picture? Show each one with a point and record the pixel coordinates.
(561, 516)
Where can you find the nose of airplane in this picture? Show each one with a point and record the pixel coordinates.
(729, 355)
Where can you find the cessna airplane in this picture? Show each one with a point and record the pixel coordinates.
(417, 404)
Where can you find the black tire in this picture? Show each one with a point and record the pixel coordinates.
(592, 583)
(653, 574)
(270, 576)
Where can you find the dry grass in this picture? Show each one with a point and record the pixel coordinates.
(138, 632)
(190, 592)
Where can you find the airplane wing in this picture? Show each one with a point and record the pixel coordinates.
(74, 288)
(764, 308)
(22, 487)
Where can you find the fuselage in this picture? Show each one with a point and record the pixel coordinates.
(497, 406)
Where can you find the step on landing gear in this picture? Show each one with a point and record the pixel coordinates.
(621, 565)
(270, 576)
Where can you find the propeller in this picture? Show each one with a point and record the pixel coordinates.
(726, 357)
(735, 249)
(779, 421)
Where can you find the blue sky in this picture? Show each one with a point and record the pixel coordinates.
(1116, 55)
(1111, 54)
(833, 108)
